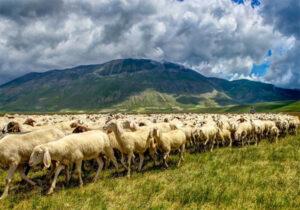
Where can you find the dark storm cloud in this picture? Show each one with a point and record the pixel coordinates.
(21, 11)
(284, 15)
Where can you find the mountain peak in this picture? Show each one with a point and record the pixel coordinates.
(112, 83)
(131, 65)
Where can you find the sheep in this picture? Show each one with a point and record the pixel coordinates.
(293, 125)
(15, 151)
(282, 125)
(208, 133)
(258, 127)
(130, 142)
(244, 131)
(225, 135)
(274, 133)
(74, 148)
(168, 141)
(188, 131)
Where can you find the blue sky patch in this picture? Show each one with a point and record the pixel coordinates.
(254, 3)
(269, 54)
(260, 70)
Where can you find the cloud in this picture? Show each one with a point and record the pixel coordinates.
(218, 38)
(285, 17)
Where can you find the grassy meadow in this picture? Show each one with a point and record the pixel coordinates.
(262, 177)
(145, 105)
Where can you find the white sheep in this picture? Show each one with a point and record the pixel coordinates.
(208, 133)
(225, 135)
(74, 148)
(168, 141)
(15, 150)
(243, 132)
(130, 142)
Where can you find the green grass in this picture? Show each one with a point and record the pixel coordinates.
(152, 102)
(277, 106)
(262, 177)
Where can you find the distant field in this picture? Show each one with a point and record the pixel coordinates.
(280, 106)
(262, 177)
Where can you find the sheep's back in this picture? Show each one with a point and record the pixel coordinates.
(20, 146)
(174, 138)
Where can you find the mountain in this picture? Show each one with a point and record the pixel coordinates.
(131, 84)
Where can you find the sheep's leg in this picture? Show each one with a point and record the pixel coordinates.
(276, 139)
(68, 177)
(142, 157)
(230, 142)
(107, 163)
(78, 172)
(133, 159)
(182, 149)
(58, 169)
(24, 177)
(111, 157)
(26, 169)
(223, 141)
(8, 179)
(123, 162)
(166, 155)
(153, 156)
(50, 173)
(100, 167)
(206, 140)
(213, 144)
(130, 155)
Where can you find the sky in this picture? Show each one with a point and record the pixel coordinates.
(231, 39)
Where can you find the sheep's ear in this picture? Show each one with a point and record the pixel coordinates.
(47, 159)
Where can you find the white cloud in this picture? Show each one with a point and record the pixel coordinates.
(218, 38)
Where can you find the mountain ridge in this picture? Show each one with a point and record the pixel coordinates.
(107, 85)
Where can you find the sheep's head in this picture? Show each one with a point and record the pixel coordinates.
(80, 129)
(74, 125)
(40, 155)
(111, 126)
(155, 133)
(220, 124)
(241, 120)
(275, 130)
(11, 127)
(142, 124)
(30, 122)
(130, 125)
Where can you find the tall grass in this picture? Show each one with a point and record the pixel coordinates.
(262, 177)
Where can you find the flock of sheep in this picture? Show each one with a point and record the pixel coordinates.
(67, 142)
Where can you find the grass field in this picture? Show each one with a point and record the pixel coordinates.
(262, 177)
(136, 106)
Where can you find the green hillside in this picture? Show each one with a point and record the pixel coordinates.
(126, 85)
